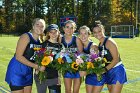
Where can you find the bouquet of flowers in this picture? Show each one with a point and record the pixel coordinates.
(43, 57)
(82, 60)
(96, 64)
(66, 61)
(73, 62)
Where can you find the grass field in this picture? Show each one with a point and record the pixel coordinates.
(129, 50)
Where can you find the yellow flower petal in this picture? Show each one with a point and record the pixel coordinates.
(46, 60)
(90, 65)
(60, 60)
(36, 49)
(105, 60)
(74, 66)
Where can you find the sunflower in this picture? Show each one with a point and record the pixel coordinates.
(36, 49)
(46, 60)
(60, 60)
(90, 65)
(74, 66)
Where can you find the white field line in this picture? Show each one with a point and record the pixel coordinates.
(3, 58)
(7, 48)
(5, 91)
(130, 89)
(133, 70)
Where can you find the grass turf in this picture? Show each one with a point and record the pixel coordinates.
(129, 50)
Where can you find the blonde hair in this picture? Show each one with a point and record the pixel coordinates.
(85, 28)
(36, 20)
(70, 22)
(41, 36)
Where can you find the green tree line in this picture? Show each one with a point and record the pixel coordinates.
(17, 15)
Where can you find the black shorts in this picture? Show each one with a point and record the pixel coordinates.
(14, 88)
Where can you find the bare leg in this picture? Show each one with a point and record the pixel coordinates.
(89, 89)
(109, 88)
(76, 85)
(67, 84)
(115, 88)
(27, 89)
(97, 89)
(93, 89)
(18, 91)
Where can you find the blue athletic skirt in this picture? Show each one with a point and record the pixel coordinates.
(91, 79)
(19, 74)
(71, 75)
(116, 74)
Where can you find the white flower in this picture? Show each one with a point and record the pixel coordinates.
(51, 58)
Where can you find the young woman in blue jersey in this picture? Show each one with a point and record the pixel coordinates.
(19, 74)
(74, 44)
(89, 46)
(115, 75)
(52, 81)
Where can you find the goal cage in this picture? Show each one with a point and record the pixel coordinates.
(122, 31)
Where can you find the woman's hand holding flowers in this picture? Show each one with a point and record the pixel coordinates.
(41, 68)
